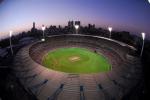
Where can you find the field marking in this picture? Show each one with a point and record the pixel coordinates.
(74, 58)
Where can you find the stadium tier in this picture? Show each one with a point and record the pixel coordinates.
(49, 84)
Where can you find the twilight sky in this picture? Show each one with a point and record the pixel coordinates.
(128, 15)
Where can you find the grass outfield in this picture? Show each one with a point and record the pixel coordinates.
(76, 60)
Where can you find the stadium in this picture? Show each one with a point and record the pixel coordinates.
(83, 67)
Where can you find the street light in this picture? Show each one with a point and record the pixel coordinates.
(10, 35)
(110, 29)
(76, 27)
(143, 37)
(43, 29)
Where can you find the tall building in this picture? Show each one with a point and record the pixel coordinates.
(70, 24)
(33, 25)
(77, 23)
(91, 26)
(33, 28)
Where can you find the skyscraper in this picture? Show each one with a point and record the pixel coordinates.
(33, 25)
(77, 23)
(33, 28)
(70, 24)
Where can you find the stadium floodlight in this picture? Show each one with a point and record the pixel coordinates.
(43, 29)
(143, 37)
(43, 40)
(10, 35)
(110, 29)
(76, 27)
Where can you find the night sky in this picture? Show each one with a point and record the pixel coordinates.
(124, 15)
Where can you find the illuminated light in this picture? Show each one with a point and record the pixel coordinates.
(10, 33)
(110, 29)
(143, 35)
(43, 27)
(43, 40)
(76, 26)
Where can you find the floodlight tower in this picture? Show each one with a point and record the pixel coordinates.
(143, 37)
(76, 27)
(110, 29)
(10, 35)
(43, 29)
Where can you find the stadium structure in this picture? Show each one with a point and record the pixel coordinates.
(49, 84)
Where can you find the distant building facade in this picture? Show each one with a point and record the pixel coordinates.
(91, 26)
(33, 25)
(78, 23)
(33, 28)
(70, 24)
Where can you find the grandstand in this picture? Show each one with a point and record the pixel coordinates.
(47, 84)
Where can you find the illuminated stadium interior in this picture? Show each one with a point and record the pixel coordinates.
(99, 84)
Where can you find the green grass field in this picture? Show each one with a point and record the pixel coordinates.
(76, 60)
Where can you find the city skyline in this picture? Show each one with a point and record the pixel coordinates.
(127, 15)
